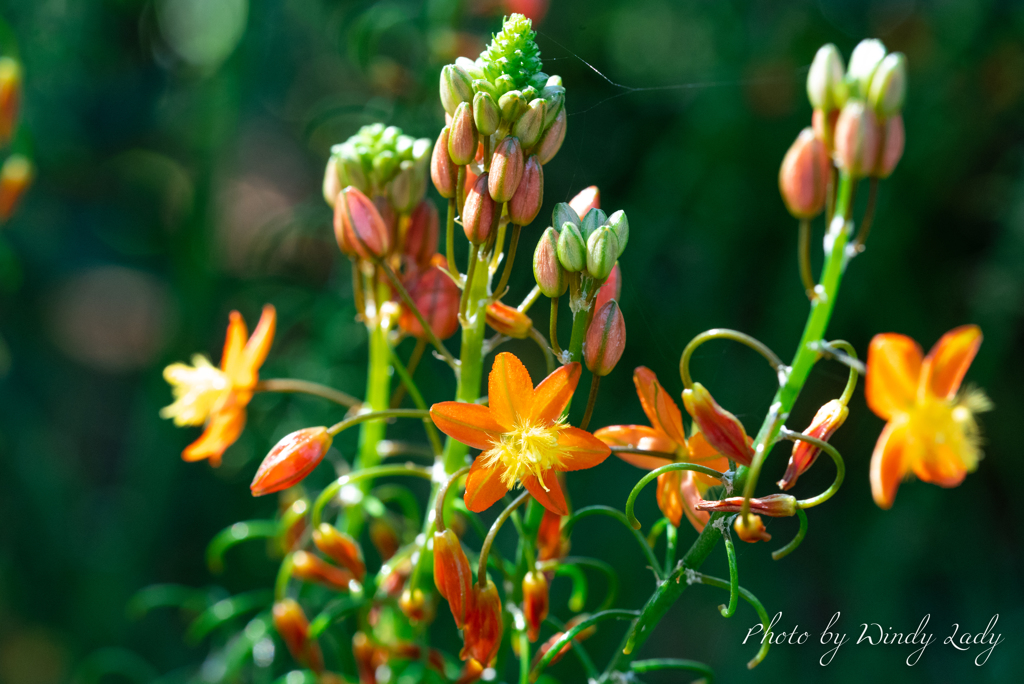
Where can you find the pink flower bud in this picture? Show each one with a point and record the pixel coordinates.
(547, 271)
(824, 124)
(483, 625)
(585, 200)
(420, 243)
(525, 204)
(359, 227)
(443, 171)
(480, 213)
(856, 139)
(892, 146)
(452, 575)
(803, 176)
(506, 169)
(437, 298)
(310, 568)
(552, 138)
(605, 340)
(462, 137)
(291, 460)
(293, 626)
(611, 289)
(722, 430)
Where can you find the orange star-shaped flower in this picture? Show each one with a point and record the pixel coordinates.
(678, 491)
(218, 396)
(522, 433)
(931, 430)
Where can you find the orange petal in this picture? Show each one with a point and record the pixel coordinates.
(221, 432)
(691, 495)
(471, 424)
(638, 437)
(580, 449)
(889, 463)
(509, 391)
(669, 496)
(554, 393)
(949, 359)
(552, 498)
(484, 486)
(258, 346)
(234, 343)
(938, 464)
(658, 405)
(894, 367)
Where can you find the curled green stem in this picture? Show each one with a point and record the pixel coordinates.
(631, 519)
(331, 490)
(725, 334)
(411, 305)
(612, 577)
(850, 360)
(655, 664)
(442, 494)
(288, 385)
(734, 576)
(235, 534)
(485, 549)
(804, 254)
(578, 596)
(568, 636)
(800, 534)
(701, 578)
(569, 523)
(836, 457)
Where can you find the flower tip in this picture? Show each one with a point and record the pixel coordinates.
(291, 460)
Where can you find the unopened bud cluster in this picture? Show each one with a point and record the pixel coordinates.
(589, 246)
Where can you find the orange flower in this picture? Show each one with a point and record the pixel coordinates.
(931, 430)
(218, 396)
(679, 491)
(522, 433)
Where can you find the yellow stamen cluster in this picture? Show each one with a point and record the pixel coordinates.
(527, 449)
(197, 390)
(951, 425)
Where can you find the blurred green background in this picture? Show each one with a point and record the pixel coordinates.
(179, 148)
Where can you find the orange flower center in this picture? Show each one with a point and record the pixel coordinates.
(527, 449)
(198, 389)
(949, 426)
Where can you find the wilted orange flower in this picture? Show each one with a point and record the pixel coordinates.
(932, 431)
(522, 433)
(218, 396)
(679, 491)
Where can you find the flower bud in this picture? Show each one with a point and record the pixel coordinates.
(825, 86)
(470, 67)
(620, 226)
(826, 421)
(864, 60)
(535, 602)
(291, 460)
(530, 93)
(602, 251)
(530, 125)
(437, 298)
(773, 505)
(803, 176)
(486, 114)
(512, 106)
(456, 87)
(562, 213)
(358, 226)
(483, 625)
(332, 182)
(824, 125)
(856, 139)
(891, 148)
(462, 138)
(15, 177)
(585, 200)
(670, 496)
(443, 171)
(407, 188)
(592, 220)
(384, 538)
(508, 320)
(482, 85)
(611, 289)
(554, 98)
(525, 204)
(889, 85)
(293, 626)
(547, 271)
(552, 138)
(480, 213)
(572, 250)
(390, 218)
(751, 531)
(310, 568)
(605, 340)
(292, 526)
(10, 98)
(368, 657)
(504, 83)
(340, 548)
(551, 545)
(413, 605)
(384, 167)
(722, 430)
(422, 234)
(452, 575)
(506, 169)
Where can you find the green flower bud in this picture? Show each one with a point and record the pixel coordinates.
(462, 137)
(482, 85)
(408, 187)
(390, 135)
(403, 147)
(572, 250)
(385, 166)
(530, 93)
(525, 204)
(504, 83)
(620, 226)
(863, 62)
(602, 251)
(512, 105)
(554, 97)
(513, 51)
(421, 150)
(564, 213)
(825, 86)
(470, 67)
(552, 139)
(554, 80)
(547, 270)
(351, 170)
(594, 219)
(539, 80)
(889, 85)
(506, 169)
(530, 125)
(456, 87)
(486, 114)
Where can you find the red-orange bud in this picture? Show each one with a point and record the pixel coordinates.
(413, 604)
(452, 575)
(752, 531)
(612, 288)
(291, 623)
(605, 340)
(526, 203)
(550, 542)
(773, 505)
(480, 213)
(826, 421)
(420, 241)
(856, 139)
(443, 171)
(483, 625)
(471, 672)
(508, 320)
(722, 430)
(293, 525)
(340, 548)
(803, 176)
(670, 496)
(437, 298)
(310, 568)
(535, 602)
(384, 538)
(506, 169)
(10, 97)
(291, 460)
(891, 151)
(585, 200)
(358, 225)
(15, 177)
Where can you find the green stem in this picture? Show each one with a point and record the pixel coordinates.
(655, 664)
(331, 490)
(725, 334)
(804, 255)
(417, 398)
(631, 501)
(530, 299)
(485, 548)
(595, 383)
(378, 393)
(449, 242)
(499, 291)
(734, 577)
(569, 523)
(288, 385)
(836, 457)
(671, 538)
(580, 321)
(800, 534)
(576, 629)
(411, 305)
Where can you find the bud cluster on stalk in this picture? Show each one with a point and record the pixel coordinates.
(17, 171)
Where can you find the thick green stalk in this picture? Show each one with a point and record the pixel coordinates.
(378, 397)
(792, 382)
